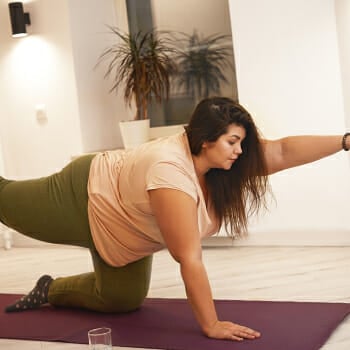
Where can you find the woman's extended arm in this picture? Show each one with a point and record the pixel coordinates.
(176, 214)
(292, 151)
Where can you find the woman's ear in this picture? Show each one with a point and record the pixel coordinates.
(205, 144)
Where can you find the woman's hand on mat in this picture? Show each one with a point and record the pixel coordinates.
(233, 331)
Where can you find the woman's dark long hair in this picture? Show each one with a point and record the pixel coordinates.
(239, 192)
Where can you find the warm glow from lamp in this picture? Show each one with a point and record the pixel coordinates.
(19, 35)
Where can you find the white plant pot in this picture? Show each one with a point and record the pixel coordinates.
(134, 132)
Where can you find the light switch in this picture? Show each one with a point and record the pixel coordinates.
(40, 112)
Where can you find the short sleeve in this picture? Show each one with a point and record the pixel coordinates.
(170, 175)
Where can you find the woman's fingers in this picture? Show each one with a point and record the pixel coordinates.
(232, 331)
(246, 332)
(234, 337)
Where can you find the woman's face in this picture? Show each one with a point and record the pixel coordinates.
(223, 152)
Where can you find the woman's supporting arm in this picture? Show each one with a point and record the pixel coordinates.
(292, 151)
(176, 214)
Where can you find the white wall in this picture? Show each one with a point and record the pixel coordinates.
(289, 78)
(342, 8)
(38, 70)
(100, 111)
(54, 67)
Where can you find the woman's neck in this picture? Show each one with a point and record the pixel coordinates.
(201, 170)
(199, 166)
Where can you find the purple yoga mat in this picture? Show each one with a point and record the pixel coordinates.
(169, 324)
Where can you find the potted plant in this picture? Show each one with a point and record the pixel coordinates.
(141, 63)
(201, 62)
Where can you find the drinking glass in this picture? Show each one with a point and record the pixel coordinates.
(100, 338)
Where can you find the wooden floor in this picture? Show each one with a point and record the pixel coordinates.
(246, 273)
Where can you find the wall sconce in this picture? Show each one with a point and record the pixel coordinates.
(19, 19)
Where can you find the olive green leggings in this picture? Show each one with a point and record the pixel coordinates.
(54, 209)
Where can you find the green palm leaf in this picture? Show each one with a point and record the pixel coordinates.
(142, 63)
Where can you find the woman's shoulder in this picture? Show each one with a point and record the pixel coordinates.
(170, 148)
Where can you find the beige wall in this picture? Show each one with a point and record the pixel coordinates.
(342, 8)
(38, 70)
(99, 110)
(54, 67)
(289, 77)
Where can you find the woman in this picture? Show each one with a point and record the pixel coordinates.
(171, 192)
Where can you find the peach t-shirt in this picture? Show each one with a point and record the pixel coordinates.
(123, 226)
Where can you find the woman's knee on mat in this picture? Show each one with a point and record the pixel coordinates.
(125, 294)
(123, 303)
